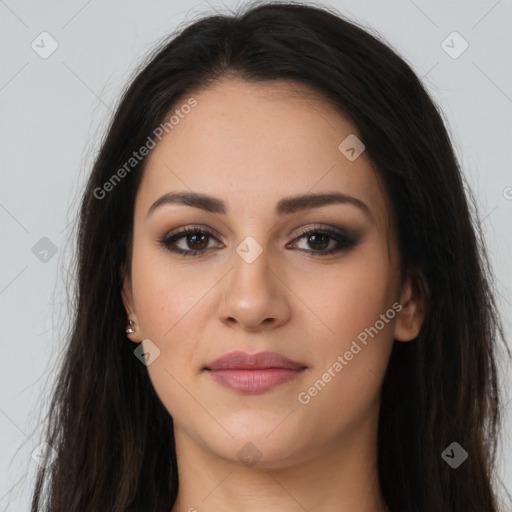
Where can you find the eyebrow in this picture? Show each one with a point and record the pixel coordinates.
(285, 206)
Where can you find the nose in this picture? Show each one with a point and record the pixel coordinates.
(254, 297)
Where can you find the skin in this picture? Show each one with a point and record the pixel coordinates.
(251, 145)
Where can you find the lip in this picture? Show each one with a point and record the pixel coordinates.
(253, 373)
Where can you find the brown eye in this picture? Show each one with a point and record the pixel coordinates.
(320, 240)
(195, 241)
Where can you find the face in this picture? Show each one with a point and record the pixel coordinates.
(315, 281)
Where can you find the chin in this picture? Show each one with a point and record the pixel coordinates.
(258, 453)
(257, 443)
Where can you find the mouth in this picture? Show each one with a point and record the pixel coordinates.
(253, 373)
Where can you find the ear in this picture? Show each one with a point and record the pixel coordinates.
(412, 314)
(127, 297)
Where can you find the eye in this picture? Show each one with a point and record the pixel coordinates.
(196, 237)
(320, 239)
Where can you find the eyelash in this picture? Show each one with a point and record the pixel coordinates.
(344, 241)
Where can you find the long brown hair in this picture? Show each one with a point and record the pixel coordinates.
(113, 437)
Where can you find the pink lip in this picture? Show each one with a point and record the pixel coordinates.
(253, 373)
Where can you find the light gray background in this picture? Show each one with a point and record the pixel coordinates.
(54, 111)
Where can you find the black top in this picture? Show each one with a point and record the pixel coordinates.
(401, 507)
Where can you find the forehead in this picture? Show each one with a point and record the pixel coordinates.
(252, 144)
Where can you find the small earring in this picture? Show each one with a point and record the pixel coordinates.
(129, 329)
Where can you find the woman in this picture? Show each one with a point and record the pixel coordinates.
(283, 300)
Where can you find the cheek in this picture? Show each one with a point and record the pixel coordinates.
(167, 301)
(344, 384)
(165, 293)
(349, 304)
(173, 306)
(347, 300)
